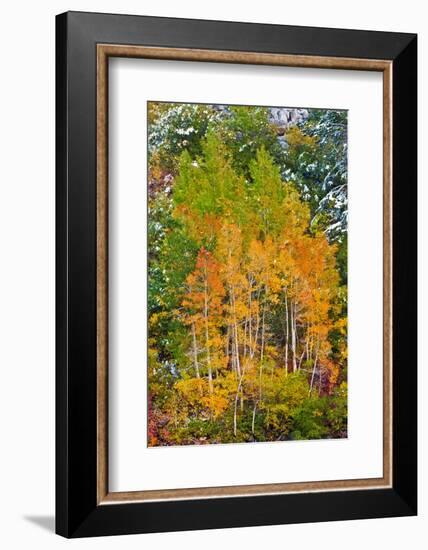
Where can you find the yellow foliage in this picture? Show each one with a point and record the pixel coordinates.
(296, 138)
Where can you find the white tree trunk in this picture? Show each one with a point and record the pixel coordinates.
(207, 337)
(195, 352)
(286, 334)
(293, 334)
(313, 372)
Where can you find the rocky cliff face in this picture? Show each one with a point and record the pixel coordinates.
(283, 118)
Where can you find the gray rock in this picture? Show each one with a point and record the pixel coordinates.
(284, 118)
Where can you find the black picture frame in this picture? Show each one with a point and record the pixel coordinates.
(77, 511)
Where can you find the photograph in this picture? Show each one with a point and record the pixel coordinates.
(212, 285)
(235, 273)
(247, 273)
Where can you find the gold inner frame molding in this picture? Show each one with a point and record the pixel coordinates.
(104, 52)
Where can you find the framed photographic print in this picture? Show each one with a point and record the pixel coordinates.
(236, 274)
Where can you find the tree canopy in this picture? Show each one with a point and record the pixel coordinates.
(247, 275)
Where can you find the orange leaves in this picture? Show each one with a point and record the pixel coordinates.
(258, 306)
(205, 287)
(202, 228)
(308, 271)
(229, 251)
(332, 372)
(215, 403)
(247, 327)
(263, 265)
(232, 291)
(195, 393)
(192, 389)
(204, 309)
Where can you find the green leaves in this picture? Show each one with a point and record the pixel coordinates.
(321, 417)
(247, 315)
(244, 132)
